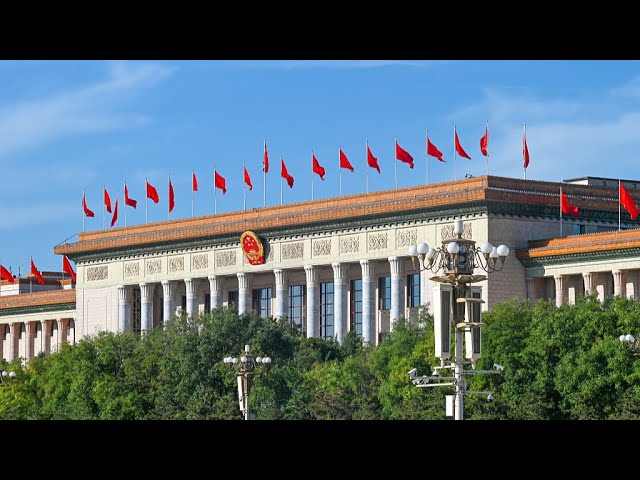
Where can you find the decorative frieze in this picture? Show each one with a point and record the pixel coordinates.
(97, 273)
(199, 261)
(225, 259)
(292, 251)
(132, 269)
(152, 266)
(406, 237)
(378, 241)
(350, 244)
(270, 256)
(176, 264)
(446, 231)
(321, 247)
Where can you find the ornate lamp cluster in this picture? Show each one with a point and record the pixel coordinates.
(245, 367)
(4, 375)
(631, 342)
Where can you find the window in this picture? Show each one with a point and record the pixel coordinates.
(413, 290)
(262, 302)
(384, 293)
(298, 307)
(356, 306)
(326, 310)
(136, 312)
(232, 299)
(71, 331)
(207, 302)
(184, 303)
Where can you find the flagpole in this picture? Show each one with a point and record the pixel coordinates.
(426, 168)
(30, 277)
(281, 180)
(264, 177)
(146, 202)
(169, 203)
(487, 157)
(125, 207)
(192, 192)
(103, 205)
(619, 208)
(215, 206)
(560, 211)
(83, 213)
(455, 171)
(395, 164)
(312, 172)
(366, 153)
(244, 192)
(525, 139)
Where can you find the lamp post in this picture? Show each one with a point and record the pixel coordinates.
(631, 342)
(5, 375)
(245, 368)
(454, 264)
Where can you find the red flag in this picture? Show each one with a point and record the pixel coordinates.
(317, 168)
(371, 160)
(403, 155)
(285, 174)
(6, 274)
(484, 142)
(247, 178)
(38, 275)
(265, 161)
(433, 151)
(152, 193)
(220, 182)
(66, 267)
(194, 182)
(566, 207)
(344, 161)
(127, 200)
(87, 212)
(107, 200)
(627, 202)
(172, 197)
(459, 148)
(525, 150)
(115, 213)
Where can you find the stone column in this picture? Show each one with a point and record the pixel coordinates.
(62, 331)
(168, 300)
(215, 286)
(31, 333)
(124, 308)
(146, 304)
(560, 284)
(397, 290)
(618, 282)
(588, 283)
(282, 293)
(313, 301)
(339, 300)
(368, 302)
(14, 332)
(424, 281)
(192, 296)
(244, 292)
(46, 336)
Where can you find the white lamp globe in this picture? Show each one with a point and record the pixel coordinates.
(259, 359)
(4, 373)
(413, 251)
(422, 248)
(622, 338)
(458, 227)
(266, 360)
(503, 250)
(12, 374)
(234, 360)
(486, 248)
(494, 253)
(629, 338)
(453, 248)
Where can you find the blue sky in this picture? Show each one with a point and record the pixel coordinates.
(66, 126)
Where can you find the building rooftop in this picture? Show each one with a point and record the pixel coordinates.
(48, 297)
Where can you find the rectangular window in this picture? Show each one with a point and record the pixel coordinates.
(207, 302)
(384, 293)
(261, 302)
(298, 307)
(184, 303)
(356, 306)
(232, 299)
(413, 290)
(326, 310)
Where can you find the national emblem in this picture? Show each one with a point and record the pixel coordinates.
(252, 248)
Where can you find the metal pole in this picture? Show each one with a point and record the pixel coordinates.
(455, 171)
(366, 153)
(459, 376)
(426, 168)
(395, 164)
(560, 211)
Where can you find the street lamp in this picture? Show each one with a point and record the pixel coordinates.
(245, 368)
(454, 264)
(4, 375)
(631, 342)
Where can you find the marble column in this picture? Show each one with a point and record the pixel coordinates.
(560, 284)
(168, 300)
(31, 333)
(62, 331)
(313, 301)
(14, 332)
(46, 335)
(282, 293)
(124, 308)
(588, 279)
(619, 282)
(146, 304)
(215, 286)
(368, 302)
(340, 271)
(397, 290)
(244, 292)
(192, 296)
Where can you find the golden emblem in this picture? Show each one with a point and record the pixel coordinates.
(252, 248)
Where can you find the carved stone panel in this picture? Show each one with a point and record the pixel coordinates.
(226, 259)
(97, 273)
(176, 264)
(406, 237)
(132, 269)
(153, 266)
(378, 241)
(321, 247)
(350, 244)
(199, 261)
(446, 231)
(270, 256)
(292, 251)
